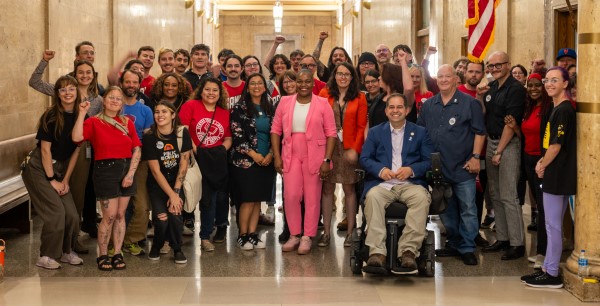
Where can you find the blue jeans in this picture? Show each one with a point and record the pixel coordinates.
(208, 204)
(460, 218)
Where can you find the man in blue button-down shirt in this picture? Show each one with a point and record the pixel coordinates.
(455, 123)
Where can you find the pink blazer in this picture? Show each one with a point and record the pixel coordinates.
(320, 124)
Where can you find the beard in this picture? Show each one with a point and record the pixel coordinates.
(130, 92)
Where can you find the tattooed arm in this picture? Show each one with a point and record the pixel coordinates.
(135, 160)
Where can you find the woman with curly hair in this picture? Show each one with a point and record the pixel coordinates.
(278, 64)
(47, 175)
(170, 87)
(207, 118)
(350, 111)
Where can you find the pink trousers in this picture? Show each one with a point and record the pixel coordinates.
(299, 184)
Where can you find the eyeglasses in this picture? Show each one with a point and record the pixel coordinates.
(365, 64)
(305, 66)
(343, 75)
(256, 84)
(65, 90)
(371, 82)
(87, 52)
(288, 82)
(114, 98)
(382, 51)
(251, 65)
(552, 81)
(497, 66)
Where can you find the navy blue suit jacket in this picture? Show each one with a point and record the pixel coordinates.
(377, 153)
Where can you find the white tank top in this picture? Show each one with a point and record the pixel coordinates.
(299, 119)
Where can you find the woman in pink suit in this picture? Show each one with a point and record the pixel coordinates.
(307, 125)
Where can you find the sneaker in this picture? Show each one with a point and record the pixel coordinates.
(166, 249)
(305, 245)
(206, 245)
(270, 214)
(487, 222)
(111, 251)
(532, 259)
(348, 241)
(545, 281)
(219, 236)
(244, 243)
(179, 257)
(291, 244)
(256, 242)
(47, 263)
(188, 227)
(533, 275)
(71, 258)
(324, 240)
(134, 249)
(154, 254)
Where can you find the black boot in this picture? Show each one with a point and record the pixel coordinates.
(533, 225)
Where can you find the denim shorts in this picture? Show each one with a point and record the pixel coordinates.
(108, 177)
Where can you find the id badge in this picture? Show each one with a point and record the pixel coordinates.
(340, 134)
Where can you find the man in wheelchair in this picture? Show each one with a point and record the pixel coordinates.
(396, 157)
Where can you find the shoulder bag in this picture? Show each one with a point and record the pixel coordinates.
(192, 185)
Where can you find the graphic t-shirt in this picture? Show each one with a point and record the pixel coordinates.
(62, 147)
(141, 115)
(420, 98)
(195, 115)
(560, 177)
(147, 84)
(234, 93)
(167, 152)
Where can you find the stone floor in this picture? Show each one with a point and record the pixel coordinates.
(232, 276)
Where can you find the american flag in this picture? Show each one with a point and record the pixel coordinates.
(481, 24)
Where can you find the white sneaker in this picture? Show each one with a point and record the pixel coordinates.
(47, 263)
(270, 214)
(255, 241)
(244, 243)
(166, 249)
(531, 259)
(71, 258)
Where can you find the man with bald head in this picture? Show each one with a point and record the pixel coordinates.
(502, 97)
(455, 123)
(383, 55)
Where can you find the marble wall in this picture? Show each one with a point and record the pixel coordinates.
(114, 26)
(253, 34)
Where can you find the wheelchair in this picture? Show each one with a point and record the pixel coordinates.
(395, 215)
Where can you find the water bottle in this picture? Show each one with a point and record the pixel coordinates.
(582, 270)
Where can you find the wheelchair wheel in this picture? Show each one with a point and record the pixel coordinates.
(429, 269)
(356, 265)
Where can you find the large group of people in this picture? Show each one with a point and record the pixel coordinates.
(128, 147)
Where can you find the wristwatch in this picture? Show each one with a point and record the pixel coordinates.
(477, 156)
(327, 160)
(497, 153)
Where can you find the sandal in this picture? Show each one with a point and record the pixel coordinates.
(104, 263)
(117, 262)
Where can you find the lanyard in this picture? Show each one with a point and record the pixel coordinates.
(342, 110)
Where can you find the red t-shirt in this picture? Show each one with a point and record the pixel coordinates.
(275, 96)
(108, 141)
(146, 85)
(194, 114)
(472, 93)
(234, 93)
(531, 130)
(318, 86)
(420, 98)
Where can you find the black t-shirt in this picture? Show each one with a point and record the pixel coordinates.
(62, 147)
(509, 99)
(166, 152)
(560, 177)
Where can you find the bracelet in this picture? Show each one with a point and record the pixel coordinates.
(51, 178)
(177, 190)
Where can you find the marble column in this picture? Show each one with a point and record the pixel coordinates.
(587, 206)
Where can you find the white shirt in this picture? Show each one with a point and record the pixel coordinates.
(299, 119)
